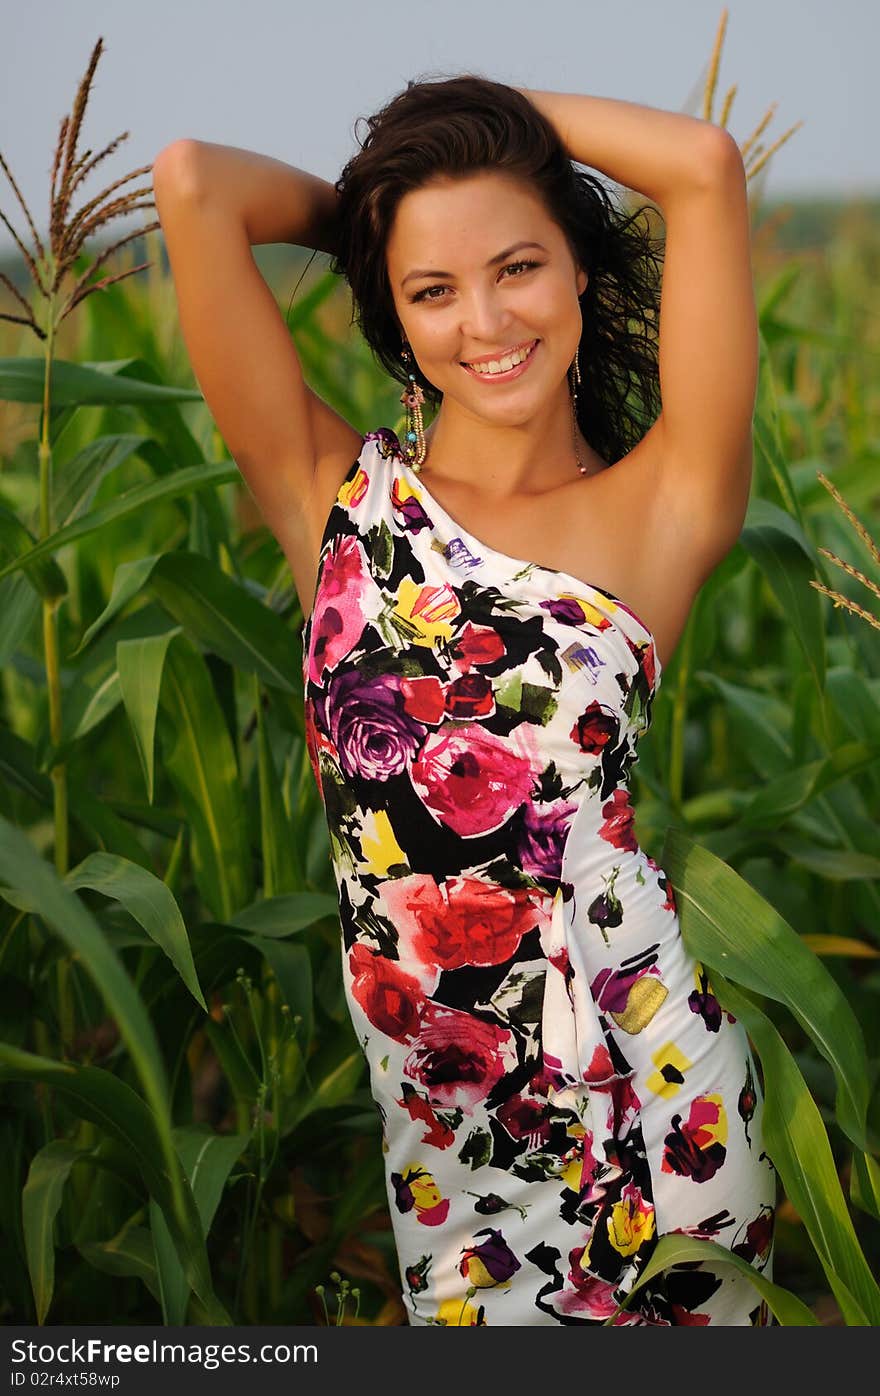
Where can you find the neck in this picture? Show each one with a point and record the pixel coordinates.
(523, 458)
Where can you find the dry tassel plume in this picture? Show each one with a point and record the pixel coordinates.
(68, 231)
(837, 597)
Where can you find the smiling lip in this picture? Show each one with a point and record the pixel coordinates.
(509, 374)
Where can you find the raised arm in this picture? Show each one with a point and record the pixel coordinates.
(214, 202)
(708, 357)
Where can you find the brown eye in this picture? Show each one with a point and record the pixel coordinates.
(423, 295)
(525, 264)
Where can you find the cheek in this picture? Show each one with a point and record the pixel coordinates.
(436, 336)
(556, 303)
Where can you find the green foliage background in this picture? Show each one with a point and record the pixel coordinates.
(186, 1130)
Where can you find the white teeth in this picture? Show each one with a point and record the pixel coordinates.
(503, 365)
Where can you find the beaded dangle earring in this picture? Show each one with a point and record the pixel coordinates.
(413, 398)
(574, 380)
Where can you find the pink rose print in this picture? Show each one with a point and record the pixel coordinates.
(471, 780)
(341, 607)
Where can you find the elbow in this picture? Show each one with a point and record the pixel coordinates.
(720, 156)
(176, 164)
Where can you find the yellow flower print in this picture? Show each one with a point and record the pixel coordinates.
(425, 1191)
(631, 1222)
(671, 1065)
(353, 491)
(424, 611)
(644, 999)
(592, 614)
(713, 1119)
(458, 1313)
(381, 849)
(573, 1158)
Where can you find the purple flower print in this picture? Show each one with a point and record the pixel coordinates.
(545, 831)
(565, 609)
(491, 1262)
(373, 734)
(413, 514)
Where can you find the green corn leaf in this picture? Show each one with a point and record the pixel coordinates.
(334, 1088)
(200, 759)
(29, 875)
(797, 1142)
(186, 480)
(226, 619)
(140, 664)
(284, 916)
(45, 576)
(672, 1250)
(293, 970)
(75, 487)
(214, 610)
(78, 385)
(864, 1185)
(778, 544)
(100, 1096)
(129, 580)
(40, 1201)
(730, 927)
(771, 465)
(759, 720)
(282, 859)
(856, 703)
(151, 903)
(129, 1253)
(832, 864)
(783, 796)
(208, 1159)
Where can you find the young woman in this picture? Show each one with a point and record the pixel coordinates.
(489, 603)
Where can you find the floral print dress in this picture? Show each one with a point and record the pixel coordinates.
(557, 1083)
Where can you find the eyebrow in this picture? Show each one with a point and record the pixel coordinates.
(493, 261)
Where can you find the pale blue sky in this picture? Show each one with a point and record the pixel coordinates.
(290, 78)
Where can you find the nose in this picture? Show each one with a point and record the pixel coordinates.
(485, 318)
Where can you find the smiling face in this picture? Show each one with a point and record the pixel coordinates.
(479, 271)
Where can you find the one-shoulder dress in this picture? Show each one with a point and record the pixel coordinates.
(557, 1084)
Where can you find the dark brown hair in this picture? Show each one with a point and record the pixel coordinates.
(458, 126)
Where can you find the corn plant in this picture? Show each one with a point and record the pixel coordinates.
(187, 1135)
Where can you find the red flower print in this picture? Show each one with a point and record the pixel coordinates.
(416, 1190)
(470, 696)
(619, 815)
(418, 1108)
(465, 921)
(697, 1149)
(525, 1118)
(755, 1243)
(623, 1106)
(391, 999)
(477, 645)
(595, 729)
(423, 698)
(457, 1057)
(588, 1295)
(311, 733)
(601, 1066)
